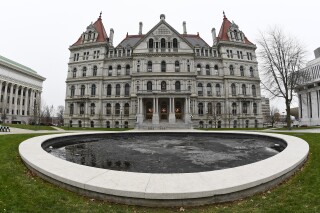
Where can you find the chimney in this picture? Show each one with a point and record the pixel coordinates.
(140, 28)
(214, 35)
(317, 52)
(111, 37)
(184, 27)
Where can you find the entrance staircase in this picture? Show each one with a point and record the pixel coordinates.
(147, 125)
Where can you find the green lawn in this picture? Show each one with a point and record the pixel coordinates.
(230, 129)
(30, 127)
(94, 129)
(21, 191)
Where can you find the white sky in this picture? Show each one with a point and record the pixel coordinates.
(38, 33)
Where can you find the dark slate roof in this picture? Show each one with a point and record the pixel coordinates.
(130, 40)
(195, 40)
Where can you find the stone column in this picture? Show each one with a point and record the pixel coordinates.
(16, 101)
(26, 100)
(155, 115)
(10, 99)
(172, 116)
(5, 104)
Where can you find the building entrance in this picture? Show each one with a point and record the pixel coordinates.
(164, 110)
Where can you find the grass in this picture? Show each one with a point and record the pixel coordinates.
(94, 129)
(21, 191)
(298, 128)
(30, 127)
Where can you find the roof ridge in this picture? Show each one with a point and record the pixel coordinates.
(16, 64)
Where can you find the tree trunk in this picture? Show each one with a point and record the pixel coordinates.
(288, 119)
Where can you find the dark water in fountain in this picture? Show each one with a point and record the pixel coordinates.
(164, 152)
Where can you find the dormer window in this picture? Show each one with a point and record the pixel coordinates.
(150, 43)
(175, 43)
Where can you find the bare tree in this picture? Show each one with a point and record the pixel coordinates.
(274, 116)
(60, 113)
(281, 57)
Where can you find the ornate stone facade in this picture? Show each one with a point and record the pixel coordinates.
(21, 89)
(163, 79)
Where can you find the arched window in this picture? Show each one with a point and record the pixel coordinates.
(93, 90)
(127, 69)
(71, 109)
(149, 67)
(110, 71)
(218, 109)
(108, 109)
(209, 108)
(81, 108)
(254, 91)
(163, 43)
(231, 70)
(207, 69)
(177, 66)
(244, 108)
(209, 90)
(233, 90)
(126, 90)
(255, 109)
(244, 89)
(175, 43)
(234, 109)
(119, 70)
(149, 86)
(200, 108)
(218, 90)
(251, 72)
(72, 90)
(82, 90)
(92, 109)
(74, 73)
(216, 69)
(199, 69)
(241, 71)
(109, 89)
(163, 66)
(163, 86)
(117, 108)
(200, 89)
(126, 109)
(84, 71)
(95, 70)
(150, 43)
(118, 90)
(177, 86)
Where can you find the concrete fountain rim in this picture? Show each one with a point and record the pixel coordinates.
(152, 189)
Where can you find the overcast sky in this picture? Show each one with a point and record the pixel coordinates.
(38, 33)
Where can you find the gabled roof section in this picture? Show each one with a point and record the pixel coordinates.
(195, 40)
(223, 33)
(130, 40)
(162, 21)
(99, 27)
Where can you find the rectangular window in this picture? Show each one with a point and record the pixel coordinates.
(238, 54)
(94, 54)
(231, 54)
(98, 53)
(241, 55)
(214, 53)
(228, 54)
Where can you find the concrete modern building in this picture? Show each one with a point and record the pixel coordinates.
(163, 79)
(265, 109)
(309, 92)
(21, 89)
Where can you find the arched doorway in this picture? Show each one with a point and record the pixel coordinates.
(92, 124)
(178, 110)
(80, 123)
(164, 111)
(126, 124)
(149, 110)
(70, 123)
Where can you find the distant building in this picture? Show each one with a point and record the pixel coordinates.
(163, 79)
(265, 108)
(21, 89)
(309, 92)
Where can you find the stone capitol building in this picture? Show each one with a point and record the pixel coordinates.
(163, 79)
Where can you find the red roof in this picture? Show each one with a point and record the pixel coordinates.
(223, 33)
(102, 35)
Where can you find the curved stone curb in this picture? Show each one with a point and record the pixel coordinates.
(165, 187)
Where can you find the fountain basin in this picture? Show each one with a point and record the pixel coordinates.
(171, 189)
